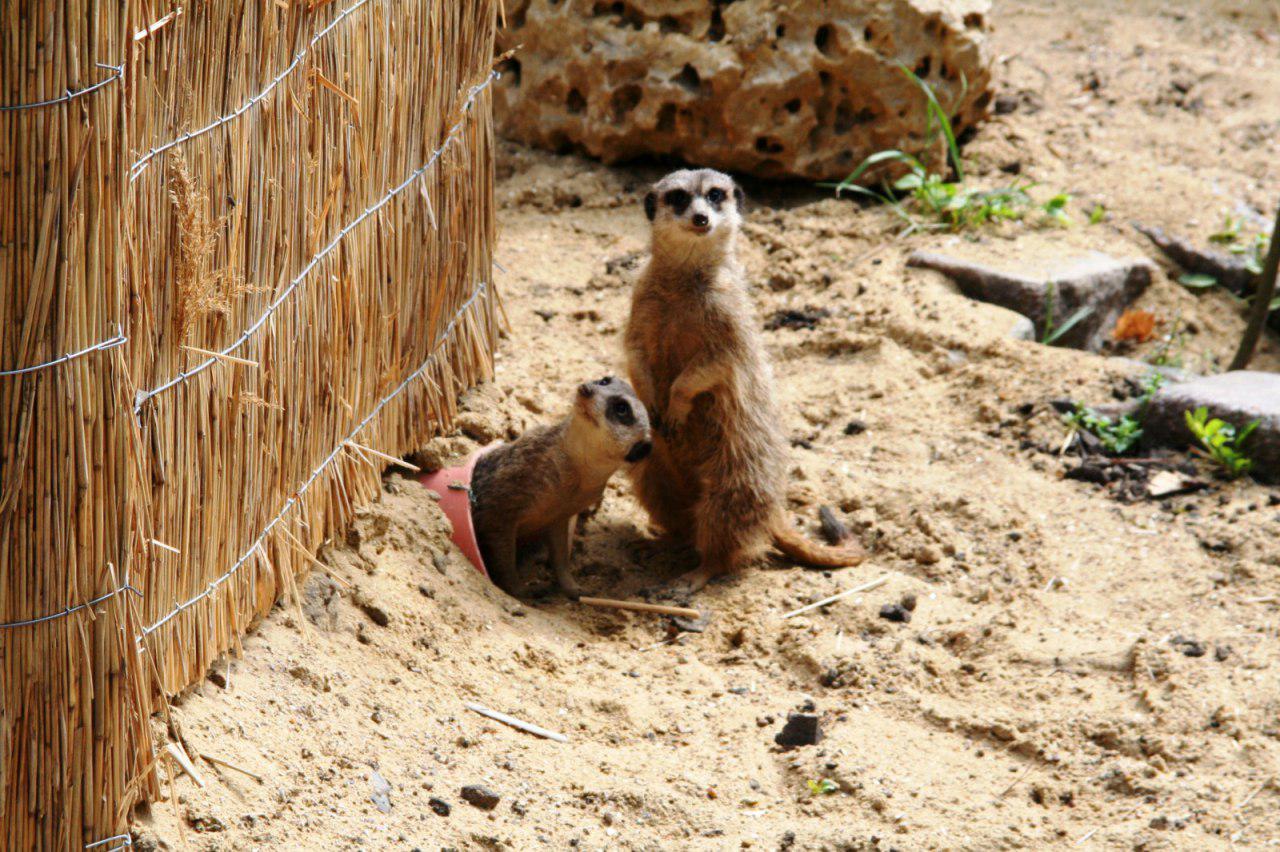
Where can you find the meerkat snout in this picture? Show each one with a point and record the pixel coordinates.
(694, 204)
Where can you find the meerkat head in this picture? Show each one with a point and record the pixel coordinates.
(617, 423)
(694, 210)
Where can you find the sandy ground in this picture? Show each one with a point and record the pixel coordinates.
(1046, 693)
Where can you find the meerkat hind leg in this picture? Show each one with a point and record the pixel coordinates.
(500, 560)
(559, 547)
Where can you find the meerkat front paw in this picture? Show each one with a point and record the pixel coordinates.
(678, 411)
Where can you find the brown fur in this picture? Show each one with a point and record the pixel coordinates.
(533, 488)
(716, 477)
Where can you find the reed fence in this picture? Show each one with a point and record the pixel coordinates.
(238, 242)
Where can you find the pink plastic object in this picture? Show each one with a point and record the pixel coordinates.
(456, 503)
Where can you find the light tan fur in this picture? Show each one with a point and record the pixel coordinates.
(534, 488)
(716, 477)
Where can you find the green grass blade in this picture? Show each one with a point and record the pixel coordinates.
(1067, 325)
(937, 113)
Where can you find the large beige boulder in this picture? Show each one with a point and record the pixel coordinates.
(806, 88)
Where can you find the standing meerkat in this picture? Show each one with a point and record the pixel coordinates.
(534, 487)
(717, 473)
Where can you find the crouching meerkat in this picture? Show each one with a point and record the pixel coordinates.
(717, 475)
(534, 487)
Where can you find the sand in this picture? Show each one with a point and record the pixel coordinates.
(1079, 671)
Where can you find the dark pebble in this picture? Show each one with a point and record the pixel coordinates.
(481, 797)
(855, 427)
(440, 806)
(801, 729)
(895, 612)
(834, 530)
(1189, 647)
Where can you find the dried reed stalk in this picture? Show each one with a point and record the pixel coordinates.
(99, 231)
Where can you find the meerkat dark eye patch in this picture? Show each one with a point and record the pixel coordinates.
(678, 200)
(619, 411)
(716, 196)
(651, 205)
(638, 451)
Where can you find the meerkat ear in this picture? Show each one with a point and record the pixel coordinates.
(651, 205)
(739, 196)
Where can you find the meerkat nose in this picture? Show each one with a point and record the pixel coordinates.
(585, 390)
(700, 220)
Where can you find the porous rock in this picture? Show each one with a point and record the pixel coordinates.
(1239, 398)
(753, 86)
(1049, 288)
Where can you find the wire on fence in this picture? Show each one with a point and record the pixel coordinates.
(140, 165)
(118, 340)
(69, 94)
(475, 91)
(481, 289)
(126, 842)
(125, 587)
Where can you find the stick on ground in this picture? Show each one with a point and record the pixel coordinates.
(865, 587)
(229, 765)
(519, 724)
(188, 767)
(638, 606)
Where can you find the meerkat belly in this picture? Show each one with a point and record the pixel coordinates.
(551, 509)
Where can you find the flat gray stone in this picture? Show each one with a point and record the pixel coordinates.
(1070, 282)
(1239, 398)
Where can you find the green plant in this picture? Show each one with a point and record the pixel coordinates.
(1056, 209)
(824, 787)
(926, 200)
(1097, 214)
(1053, 333)
(1254, 250)
(1223, 443)
(1197, 280)
(1117, 436)
(1169, 352)
(1230, 231)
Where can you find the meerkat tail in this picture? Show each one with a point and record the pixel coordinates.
(795, 545)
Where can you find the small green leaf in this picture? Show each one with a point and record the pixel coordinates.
(1197, 281)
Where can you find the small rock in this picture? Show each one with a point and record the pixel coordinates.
(1052, 287)
(481, 797)
(801, 729)
(1239, 398)
(1189, 647)
(218, 674)
(1006, 103)
(440, 806)
(928, 555)
(1022, 329)
(205, 822)
(381, 796)
(855, 427)
(908, 602)
(1230, 270)
(834, 530)
(320, 596)
(1221, 653)
(807, 318)
(895, 612)
(374, 610)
